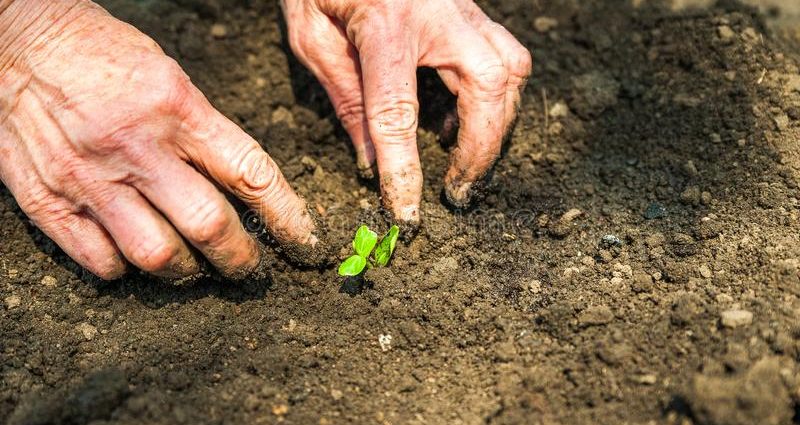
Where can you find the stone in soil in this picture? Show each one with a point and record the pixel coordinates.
(758, 396)
(736, 318)
(596, 316)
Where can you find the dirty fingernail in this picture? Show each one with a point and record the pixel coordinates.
(459, 195)
(315, 250)
(367, 172)
(408, 219)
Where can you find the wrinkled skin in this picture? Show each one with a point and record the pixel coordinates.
(112, 152)
(116, 156)
(366, 52)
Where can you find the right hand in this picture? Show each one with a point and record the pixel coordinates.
(114, 154)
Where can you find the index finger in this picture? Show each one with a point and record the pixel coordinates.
(233, 159)
(389, 76)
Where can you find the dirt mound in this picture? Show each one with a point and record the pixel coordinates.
(636, 258)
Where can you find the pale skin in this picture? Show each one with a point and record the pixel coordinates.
(113, 153)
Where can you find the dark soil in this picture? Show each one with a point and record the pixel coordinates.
(635, 260)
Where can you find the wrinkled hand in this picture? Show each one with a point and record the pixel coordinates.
(366, 52)
(113, 153)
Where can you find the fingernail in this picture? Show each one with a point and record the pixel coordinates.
(180, 267)
(314, 251)
(409, 220)
(367, 172)
(408, 214)
(459, 195)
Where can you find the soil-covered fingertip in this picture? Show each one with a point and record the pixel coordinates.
(318, 254)
(408, 229)
(369, 172)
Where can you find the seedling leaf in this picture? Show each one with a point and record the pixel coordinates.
(352, 266)
(384, 251)
(364, 241)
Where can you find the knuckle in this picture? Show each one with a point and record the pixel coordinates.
(257, 176)
(169, 86)
(153, 256)
(350, 113)
(37, 203)
(395, 121)
(210, 225)
(66, 174)
(521, 63)
(490, 76)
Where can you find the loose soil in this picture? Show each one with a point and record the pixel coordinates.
(635, 260)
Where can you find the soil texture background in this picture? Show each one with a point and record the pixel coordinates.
(636, 259)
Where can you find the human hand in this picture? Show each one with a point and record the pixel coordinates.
(113, 153)
(366, 52)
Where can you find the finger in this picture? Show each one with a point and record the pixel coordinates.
(77, 234)
(516, 58)
(335, 63)
(80, 236)
(223, 151)
(481, 89)
(388, 66)
(200, 212)
(146, 239)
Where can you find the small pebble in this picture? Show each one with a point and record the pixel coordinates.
(283, 115)
(596, 316)
(545, 24)
(647, 379)
(219, 30)
(385, 341)
(13, 301)
(609, 241)
(280, 409)
(654, 211)
(559, 110)
(736, 318)
(725, 33)
(691, 195)
(49, 281)
(705, 271)
(724, 299)
(563, 226)
(88, 331)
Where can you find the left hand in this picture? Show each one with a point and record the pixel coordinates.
(366, 53)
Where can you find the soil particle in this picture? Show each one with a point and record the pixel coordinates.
(654, 211)
(88, 331)
(596, 316)
(610, 241)
(593, 93)
(686, 308)
(49, 281)
(691, 195)
(545, 24)
(736, 318)
(12, 301)
(726, 34)
(564, 225)
(717, 400)
(219, 31)
(642, 282)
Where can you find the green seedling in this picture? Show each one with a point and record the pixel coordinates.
(365, 241)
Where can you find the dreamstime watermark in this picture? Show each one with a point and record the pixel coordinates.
(488, 221)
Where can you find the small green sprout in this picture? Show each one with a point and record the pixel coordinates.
(363, 244)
